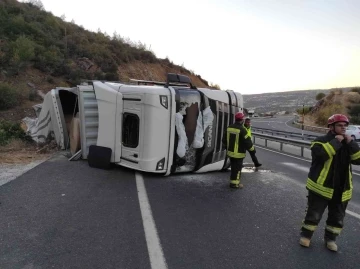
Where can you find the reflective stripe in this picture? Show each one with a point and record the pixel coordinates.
(233, 130)
(334, 230)
(234, 152)
(355, 156)
(236, 155)
(234, 181)
(324, 172)
(330, 148)
(320, 189)
(327, 146)
(249, 131)
(346, 196)
(309, 227)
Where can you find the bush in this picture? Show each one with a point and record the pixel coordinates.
(10, 130)
(306, 110)
(353, 97)
(354, 110)
(355, 120)
(9, 97)
(320, 96)
(324, 114)
(356, 89)
(112, 76)
(50, 80)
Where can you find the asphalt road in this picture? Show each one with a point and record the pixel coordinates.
(279, 123)
(65, 214)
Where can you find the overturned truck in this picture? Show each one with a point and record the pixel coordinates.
(160, 127)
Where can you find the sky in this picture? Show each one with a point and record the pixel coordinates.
(253, 46)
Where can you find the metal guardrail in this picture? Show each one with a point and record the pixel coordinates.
(311, 128)
(302, 144)
(284, 133)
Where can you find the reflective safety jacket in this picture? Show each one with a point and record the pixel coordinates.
(330, 172)
(237, 141)
(248, 129)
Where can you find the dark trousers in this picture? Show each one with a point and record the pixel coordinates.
(253, 157)
(315, 209)
(236, 166)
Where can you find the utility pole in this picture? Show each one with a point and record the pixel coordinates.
(66, 49)
(302, 122)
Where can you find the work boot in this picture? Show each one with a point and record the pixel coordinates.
(258, 165)
(305, 242)
(236, 186)
(331, 245)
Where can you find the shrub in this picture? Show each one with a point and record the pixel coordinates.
(353, 97)
(356, 89)
(50, 80)
(320, 96)
(9, 97)
(323, 115)
(306, 110)
(10, 130)
(112, 76)
(354, 110)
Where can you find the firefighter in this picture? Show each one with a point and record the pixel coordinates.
(329, 182)
(247, 125)
(237, 141)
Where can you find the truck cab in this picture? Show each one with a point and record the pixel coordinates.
(160, 127)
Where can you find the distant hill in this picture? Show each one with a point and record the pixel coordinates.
(283, 101)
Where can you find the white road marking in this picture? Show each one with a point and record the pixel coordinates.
(156, 255)
(299, 167)
(296, 166)
(353, 214)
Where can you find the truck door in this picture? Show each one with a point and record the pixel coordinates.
(131, 129)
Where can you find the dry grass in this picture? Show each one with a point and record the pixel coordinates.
(155, 71)
(334, 102)
(18, 151)
(353, 97)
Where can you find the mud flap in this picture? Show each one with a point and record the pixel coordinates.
(99, 157)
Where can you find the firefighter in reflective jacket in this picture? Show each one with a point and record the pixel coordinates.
(247, 125)
(237, 141)
(330, 181)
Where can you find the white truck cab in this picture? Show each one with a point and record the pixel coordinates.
(160, 127)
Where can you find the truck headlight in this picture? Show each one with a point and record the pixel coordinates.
(164, 101)
(160, 164)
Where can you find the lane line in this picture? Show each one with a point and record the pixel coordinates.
(298, 167)
(156, 255)
(355, 215)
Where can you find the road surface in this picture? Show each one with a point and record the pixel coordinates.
(65, 214)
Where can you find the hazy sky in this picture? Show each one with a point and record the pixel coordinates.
(251, 46)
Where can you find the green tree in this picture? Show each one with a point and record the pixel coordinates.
(320, 96)
(9, 97)
(23, 51)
